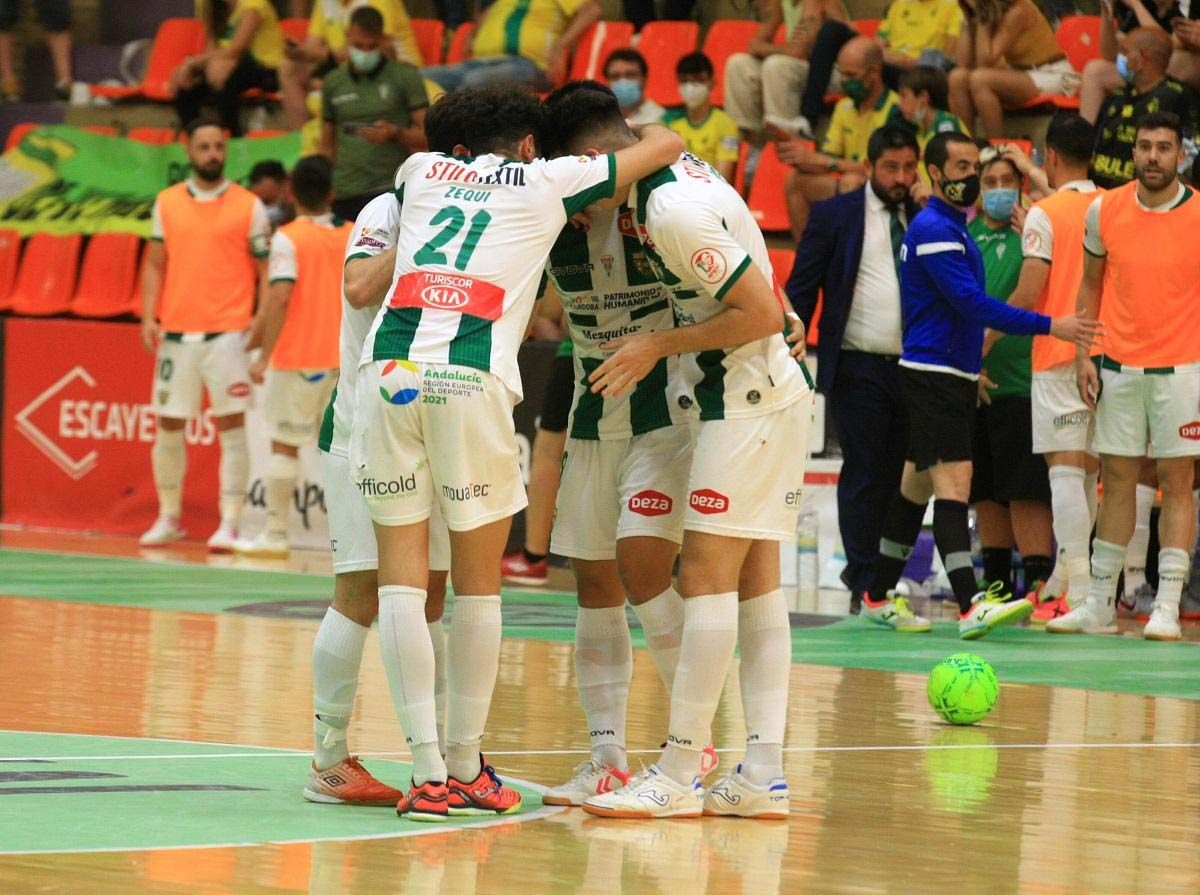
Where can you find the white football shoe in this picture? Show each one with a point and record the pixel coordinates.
(735, 796)
(1164, 623)
(1092, 617)
(165, 530)
(223, 539)
(268, 545)
(591, 778)
(650, 793)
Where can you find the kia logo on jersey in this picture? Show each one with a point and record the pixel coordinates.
(650, 503)
(446, 298)
(1190, 431)
(708, 502)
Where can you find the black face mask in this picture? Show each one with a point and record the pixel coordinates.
(963, 192)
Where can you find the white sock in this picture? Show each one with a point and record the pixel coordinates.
(168, 458)
(337, 656)
(603, 669)
(765, 644)
(709, 636)
(473, 659)
(437, 635)
(1172, 573)
(1072, 528)
(1107, 560)
(1139, 543)
(233, 473)
(1091, 491)
(1057, 582)
(408, 660)
(282, 470)
(662, 623)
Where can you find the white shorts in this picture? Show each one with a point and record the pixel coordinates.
(435, 434)
(1137, 411)
(1056, 78)
(351, 535)
(189, 364)
(748, 474)
(1061, 421)
(295, 402)
(624, 488)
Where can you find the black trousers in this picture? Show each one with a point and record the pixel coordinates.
(821, 62)
(227, 101)
(872, 425)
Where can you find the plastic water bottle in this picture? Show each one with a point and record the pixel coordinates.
(808, 572)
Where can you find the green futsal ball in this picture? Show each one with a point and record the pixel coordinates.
(963, 688)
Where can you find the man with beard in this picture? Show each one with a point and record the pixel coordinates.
(1147, 388)
(207, 255)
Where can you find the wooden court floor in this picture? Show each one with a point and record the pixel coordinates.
(162, 750)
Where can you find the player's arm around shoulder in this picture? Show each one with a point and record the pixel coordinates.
(657, 147)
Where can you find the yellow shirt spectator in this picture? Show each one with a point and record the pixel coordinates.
(912, 26)
(715, 139)
(267, 46)
(523, 28)
(850, 129)
(330, 18)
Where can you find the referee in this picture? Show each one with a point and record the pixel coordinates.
(945, 308)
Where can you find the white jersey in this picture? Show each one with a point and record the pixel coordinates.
(609, 289)
(702, 238)
(475, 234)
(374, 233)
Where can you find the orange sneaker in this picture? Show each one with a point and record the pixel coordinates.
(427, 802)
(348, 783)
(1049, 610)
(483, 795)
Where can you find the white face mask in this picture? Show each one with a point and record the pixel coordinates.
(694, 94)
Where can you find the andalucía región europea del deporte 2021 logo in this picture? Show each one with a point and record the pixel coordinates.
(401, 396)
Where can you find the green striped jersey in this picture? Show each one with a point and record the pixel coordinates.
(701, 238)
(474, 238)
(608, 290)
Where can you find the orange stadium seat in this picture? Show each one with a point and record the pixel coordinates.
(739, 173)
(1079, 37)
(295, 30)
(109, 272)
(176, 39)
(664, 44)
(10, 258)
(431, 38)
(265, 133)
(460, 43)
(766, 200)
(781, 263)
(134, 302)
(723, 40)
(159, 136)
(593, 48)
(46, 279)
(866, 27)
(17, 134)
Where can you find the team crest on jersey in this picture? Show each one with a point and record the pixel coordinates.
(709, 265)
(607, 261)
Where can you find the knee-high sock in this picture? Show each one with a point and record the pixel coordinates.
(765, 645)
(472, 660)
(281, 482)
(168, 458)
(900, 531)
(662, 623)
(603, 669)
(234, 474)
(1107, 559)
(437, 636)
(953, 538)
(1072, 527)
(408, 659)
(709, 636)
(1172, 573)
(337, 656)
(1139, 543)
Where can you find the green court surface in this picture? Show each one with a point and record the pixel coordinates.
(1116, 664)
(62, 786)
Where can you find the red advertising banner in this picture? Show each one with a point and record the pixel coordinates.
(78, 430)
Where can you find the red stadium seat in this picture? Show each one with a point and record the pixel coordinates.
(431, 38)
(17, 134)
(294, 30)
(867, 27)
(10, 258)
(766, 200)
(108, 274)
(134, 302)
(1079, 37)
(593, 48)
(46, 279)
(739, 173)
(723, 40)
(159, 136)
(664, 44)
(460, 43)
(265, 133)
(176, 39)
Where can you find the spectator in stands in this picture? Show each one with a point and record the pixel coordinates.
(269, 181)
(373, 111)
(924, 102)
(626, 71)
(915, 32)
(868, 105)
(639, 12)
(325, 48)
(707, 132)
(1103, 76)
(1010, 485)
(1007, 55)
(55, 18)
(244, 51)
(1149, 89)
(850, 252)
(763, 85)
(523, 42)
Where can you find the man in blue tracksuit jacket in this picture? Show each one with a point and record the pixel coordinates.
(945, 309)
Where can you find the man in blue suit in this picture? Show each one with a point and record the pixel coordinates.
(851, 251)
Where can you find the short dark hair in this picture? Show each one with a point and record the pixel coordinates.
(576, 114)
(937, 150)
(694, 64)
(890, 136)
(368, 19)
(204, 119)
(312, 181)
(927, 79)
(484, 119)
(268, 170)
(627, 54)
(1162, 121)
(1072, 136)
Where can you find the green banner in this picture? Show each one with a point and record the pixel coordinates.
(63, 180)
